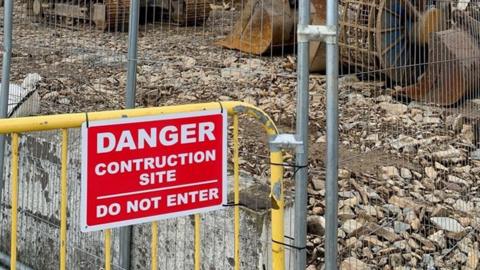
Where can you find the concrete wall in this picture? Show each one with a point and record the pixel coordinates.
(39, 210)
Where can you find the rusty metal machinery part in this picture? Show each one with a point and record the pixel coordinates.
(111, 15)
(387, 37)
(263, 25)
(373, 38)
(317, 49)
(116, 15)
(190, 12)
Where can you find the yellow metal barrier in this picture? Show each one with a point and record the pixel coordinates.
(13, 241)
(14, 126)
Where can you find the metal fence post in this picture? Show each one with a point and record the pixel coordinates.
(7, 55)
(301, 177)
(126, 232)
(132, 53)
(331, 184)
(328, 34)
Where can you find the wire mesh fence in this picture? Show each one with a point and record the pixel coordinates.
(407, 98)
(408, 183)
(81, 62)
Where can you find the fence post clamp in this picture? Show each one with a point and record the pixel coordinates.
(284, 141)
(326, 33)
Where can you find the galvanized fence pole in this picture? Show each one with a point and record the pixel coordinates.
(301, 177)
(126, 232)
(132, 53)
(331, 184)
(328, 34)
(7, 55)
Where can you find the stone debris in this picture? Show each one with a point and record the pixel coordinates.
(352, 263)
(408, 188)
(400, 227)
(447, 224)
(316, 225)
(351, 226)
(431, 173)
(393, 108)
(416, 213)
(390, 172)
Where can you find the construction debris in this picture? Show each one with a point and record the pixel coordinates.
(24, 100)
(408, 187)
(113, 15)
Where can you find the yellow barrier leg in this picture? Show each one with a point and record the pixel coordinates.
(278, 250)
(14, 196)
(197, 242)
(154, 245)
(108, 249)
(236, 191)
(63, 203)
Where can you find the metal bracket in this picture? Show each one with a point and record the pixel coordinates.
(282, 141)
(326, 33)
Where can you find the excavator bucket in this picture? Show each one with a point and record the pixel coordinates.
(453, 70)
(263, 26)
(454, 67)
(317, 49)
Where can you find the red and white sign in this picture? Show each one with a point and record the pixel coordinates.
(137, 170)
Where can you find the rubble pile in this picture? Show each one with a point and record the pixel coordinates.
(417, 207)
(408, 187)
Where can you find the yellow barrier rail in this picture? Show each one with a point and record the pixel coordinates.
(63, 122)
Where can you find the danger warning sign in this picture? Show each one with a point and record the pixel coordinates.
(137, 170)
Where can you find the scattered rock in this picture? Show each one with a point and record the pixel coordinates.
(473, 257)
(390, 172)
(393, 108)
(406, 173)
(400, 227)
(447, 224)
(352, 263)
(457, 180)
(316, 225)
(464, 206)
(318, 184)
(431, 173)
(351, 226)
(455, 122)
(402, 202)
(452, 155)
(64, 101)
(428, 262)
(439, 239)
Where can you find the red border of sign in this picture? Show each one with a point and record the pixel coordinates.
(83, 209)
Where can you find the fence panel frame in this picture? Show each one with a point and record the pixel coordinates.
(16, 126)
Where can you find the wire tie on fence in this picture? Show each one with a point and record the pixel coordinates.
(88, 123)
(221, 106)
(288, 245)
(232, 204)
(296, 167)
(289, 165)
